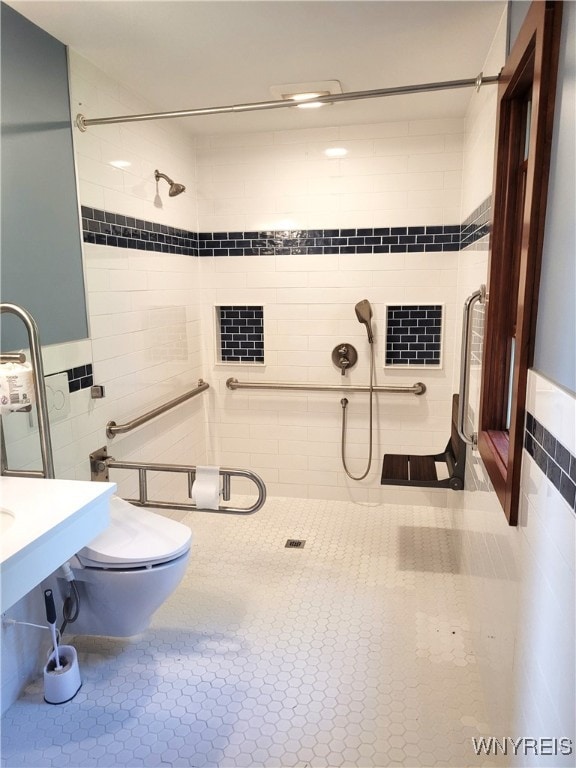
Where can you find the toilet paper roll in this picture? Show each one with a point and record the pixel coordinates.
(16, 386)
(206, 488)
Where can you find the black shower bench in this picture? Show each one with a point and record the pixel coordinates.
(421, 472)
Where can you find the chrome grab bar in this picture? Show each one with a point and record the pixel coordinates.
(100, 463)
(478, 296)
(416, 389)
(113, 429)
(40, 393)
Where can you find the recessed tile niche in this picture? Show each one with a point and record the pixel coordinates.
(240, 334)
(414, 335)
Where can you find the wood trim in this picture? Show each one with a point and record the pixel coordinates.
(500, 442)
(496, 471)
(533, 62)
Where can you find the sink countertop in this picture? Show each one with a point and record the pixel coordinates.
(52, 520)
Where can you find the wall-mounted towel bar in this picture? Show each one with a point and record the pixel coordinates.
(101, 463)
(416, 389)
(113, 429)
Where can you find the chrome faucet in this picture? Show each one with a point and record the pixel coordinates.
(344, 356)
(344, 361)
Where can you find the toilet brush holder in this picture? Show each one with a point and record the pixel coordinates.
(61, 685)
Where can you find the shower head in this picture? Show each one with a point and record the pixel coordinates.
(175, 188)
(364, 315)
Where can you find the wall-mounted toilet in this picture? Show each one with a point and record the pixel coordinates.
(124, 575)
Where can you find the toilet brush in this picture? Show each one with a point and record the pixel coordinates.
(51, 619)
(61, 673)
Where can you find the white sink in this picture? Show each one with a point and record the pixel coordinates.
(6, 520)
(42, 524)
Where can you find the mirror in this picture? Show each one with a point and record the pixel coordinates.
(41, 266)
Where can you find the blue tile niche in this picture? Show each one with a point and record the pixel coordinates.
(241, 333)
(414, 335)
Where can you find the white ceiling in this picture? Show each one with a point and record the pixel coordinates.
(184, 54)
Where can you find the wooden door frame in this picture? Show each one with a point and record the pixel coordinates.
(532, 63)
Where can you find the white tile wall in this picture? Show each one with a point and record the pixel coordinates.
(394, 174)
(307, 312)
(522, 583)
(131, 191)
(478, 164)
(478, 155)
(23, 648)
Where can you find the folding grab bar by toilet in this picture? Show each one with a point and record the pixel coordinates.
(478, 297)
(100, 463)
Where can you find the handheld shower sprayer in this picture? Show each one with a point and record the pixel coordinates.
(175, 188)
(364, 315)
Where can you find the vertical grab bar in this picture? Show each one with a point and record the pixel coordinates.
(478, 296)
(40, 393)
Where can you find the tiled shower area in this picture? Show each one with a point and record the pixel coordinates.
(408, 623)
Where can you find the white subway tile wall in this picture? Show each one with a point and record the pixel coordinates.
(395, 175)
(116, 163)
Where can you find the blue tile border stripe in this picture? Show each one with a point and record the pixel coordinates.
(330, 241)
(105, 228)
(79, 378)
(477, 225)
(554, 460)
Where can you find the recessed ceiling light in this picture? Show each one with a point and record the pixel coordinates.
(313, 105)
(336, 152)
(305, 96)
(307, 100)
(306, 93)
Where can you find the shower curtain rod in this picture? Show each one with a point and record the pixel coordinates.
(83, 123)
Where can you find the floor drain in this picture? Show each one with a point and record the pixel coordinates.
(295, 543)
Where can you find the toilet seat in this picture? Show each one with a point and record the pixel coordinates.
(135, 538)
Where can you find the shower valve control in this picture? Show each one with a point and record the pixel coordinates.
(344, 356)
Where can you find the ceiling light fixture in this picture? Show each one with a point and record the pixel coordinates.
(306, 93)
(304, 96)
(307, 100)
(336, 152)
(313, 105)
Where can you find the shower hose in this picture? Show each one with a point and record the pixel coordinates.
(344, 404)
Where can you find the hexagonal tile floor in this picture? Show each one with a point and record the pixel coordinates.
(354, 650)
